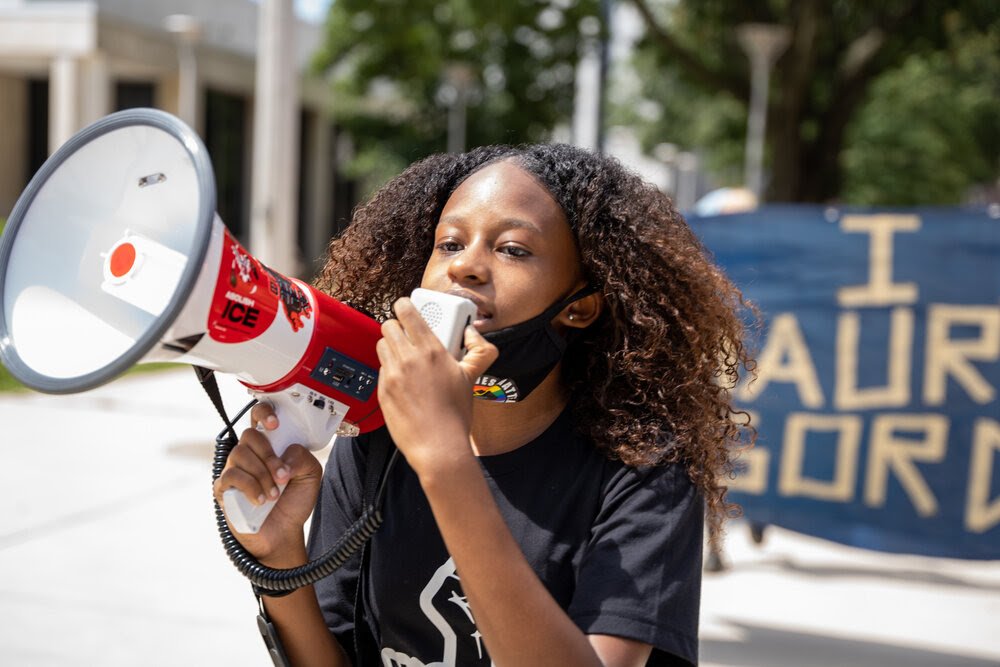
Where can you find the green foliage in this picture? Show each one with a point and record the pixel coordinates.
(7, 381)
(889, 101)
(931, 129)
(392, 64)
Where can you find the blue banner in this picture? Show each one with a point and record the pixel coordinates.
(876, 400)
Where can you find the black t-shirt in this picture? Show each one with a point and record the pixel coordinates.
(619, 549)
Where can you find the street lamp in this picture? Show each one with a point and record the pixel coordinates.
(602, 90)
(459, 78)
(186, 29)
(687, 180)
(667, 154)
(763, 43)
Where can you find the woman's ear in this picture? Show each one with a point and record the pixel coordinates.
(583, 312)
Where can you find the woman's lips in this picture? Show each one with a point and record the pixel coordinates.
(482, 310)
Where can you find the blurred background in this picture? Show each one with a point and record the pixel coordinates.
(783, 129)
(892, 103)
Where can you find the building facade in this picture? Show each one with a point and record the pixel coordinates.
(65, 64)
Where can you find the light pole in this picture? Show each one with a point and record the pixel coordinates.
(667, 154)
(602, 90)
(186, 29)
(762, 43)
(687, 180)
(459, 78)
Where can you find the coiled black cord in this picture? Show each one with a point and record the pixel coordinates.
(276, 582)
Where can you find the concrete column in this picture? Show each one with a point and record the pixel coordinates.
(95, 93)
(188, 107)
(273, 208)
(187, 30)
(166, 92)
(64, 100)
(13, 141)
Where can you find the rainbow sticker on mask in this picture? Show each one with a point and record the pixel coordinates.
(499, 390)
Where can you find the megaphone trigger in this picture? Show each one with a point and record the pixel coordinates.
(261, 401)
(305, 417)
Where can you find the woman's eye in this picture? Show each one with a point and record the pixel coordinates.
(449, 246)
(514, 251)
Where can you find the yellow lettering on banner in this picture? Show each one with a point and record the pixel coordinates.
(753, 464)
(896, 393)
(946, 356)
(888, 452)
(879, 290)
(981, 513)
(797, 426)
(752, 477)
(785, 358)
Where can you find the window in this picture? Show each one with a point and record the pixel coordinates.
(134, 94)
(225, 139)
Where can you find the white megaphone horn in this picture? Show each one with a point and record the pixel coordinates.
(114, 255)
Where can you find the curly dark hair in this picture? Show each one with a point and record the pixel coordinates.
(651, 377)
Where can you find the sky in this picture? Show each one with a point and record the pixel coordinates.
(309, 10)
(312, 10)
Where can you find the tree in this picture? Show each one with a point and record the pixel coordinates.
(838, 49)
(930, 132)
(400, 66)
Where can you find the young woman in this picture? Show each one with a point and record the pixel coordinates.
(554, 518)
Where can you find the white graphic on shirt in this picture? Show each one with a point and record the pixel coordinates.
(479, 643)
(439, 580)
(463, 604)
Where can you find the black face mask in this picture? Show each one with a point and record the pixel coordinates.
(528, 352)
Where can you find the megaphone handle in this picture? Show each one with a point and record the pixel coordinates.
(300, 421)
(244, 516)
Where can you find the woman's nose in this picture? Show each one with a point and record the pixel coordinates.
(470, 265)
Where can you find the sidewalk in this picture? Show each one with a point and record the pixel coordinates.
(109, 556)
(799, 601)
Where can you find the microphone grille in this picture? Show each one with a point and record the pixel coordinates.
(432, 314)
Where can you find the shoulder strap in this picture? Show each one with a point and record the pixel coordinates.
(211, 386)
(380, 449)
(380, 446)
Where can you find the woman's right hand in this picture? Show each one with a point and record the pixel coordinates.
(254, 469)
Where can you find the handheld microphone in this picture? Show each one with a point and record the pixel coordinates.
(446, 315)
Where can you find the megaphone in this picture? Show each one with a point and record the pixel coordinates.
(114, 255)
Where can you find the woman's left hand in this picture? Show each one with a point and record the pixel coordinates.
(425, 394)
